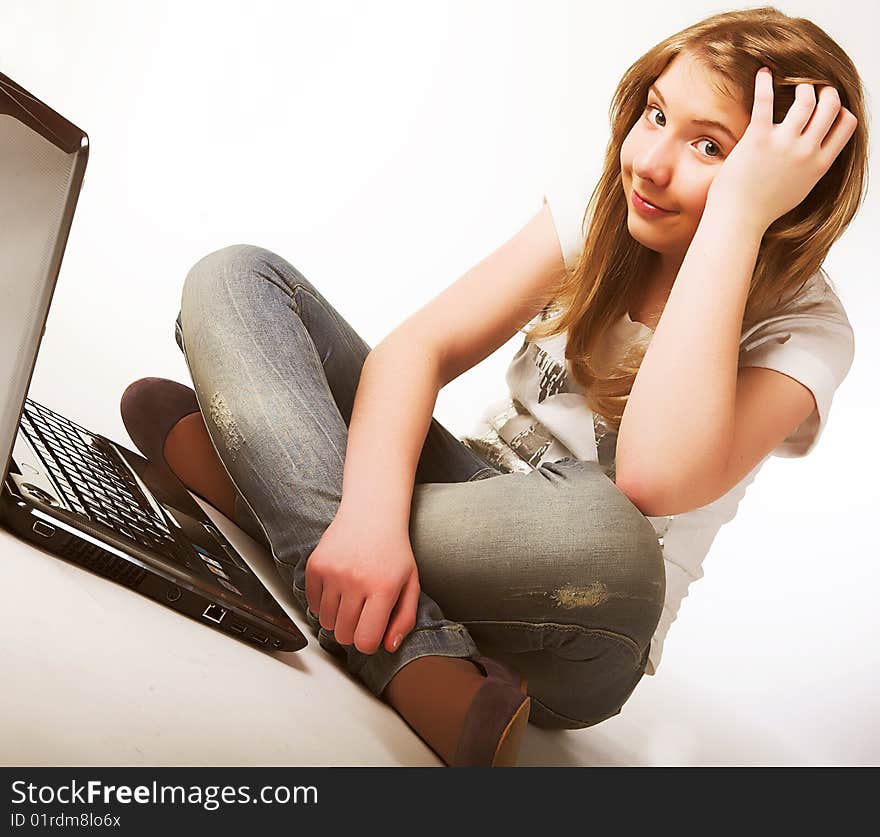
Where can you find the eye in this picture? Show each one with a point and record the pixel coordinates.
(711, 143)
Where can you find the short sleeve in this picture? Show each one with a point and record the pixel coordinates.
(811, 341)
(567, 197)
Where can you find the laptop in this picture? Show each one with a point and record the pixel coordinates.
(73, 493)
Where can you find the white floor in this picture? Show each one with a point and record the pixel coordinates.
(101, 676)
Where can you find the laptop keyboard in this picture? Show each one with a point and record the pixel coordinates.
(92, 483)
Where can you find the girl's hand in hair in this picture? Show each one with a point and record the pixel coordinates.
(774, 167)
(363, 584)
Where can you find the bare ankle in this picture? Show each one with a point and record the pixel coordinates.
(433, 694)
(431, 667)
(191, 455)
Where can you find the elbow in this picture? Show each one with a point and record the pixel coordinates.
(646, 496)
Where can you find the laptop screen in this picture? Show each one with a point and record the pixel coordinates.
(42, 162)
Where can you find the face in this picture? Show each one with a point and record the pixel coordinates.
(671, 161)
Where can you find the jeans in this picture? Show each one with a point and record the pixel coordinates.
(554, 572)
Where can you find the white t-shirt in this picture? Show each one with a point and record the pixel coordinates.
(545, 416)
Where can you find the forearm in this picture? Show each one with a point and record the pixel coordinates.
(391, 415)
(678, 421)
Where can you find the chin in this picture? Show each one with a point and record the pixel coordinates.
(637, 231)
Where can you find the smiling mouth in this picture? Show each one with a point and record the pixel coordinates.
(649, 203)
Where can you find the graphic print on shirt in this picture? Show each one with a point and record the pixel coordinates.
(553, 379)
(512, 438)
(525, 435)
(531, 443)
(552, 376)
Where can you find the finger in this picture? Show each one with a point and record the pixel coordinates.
(762, 108)
(314, 590)
(839, 135)
(403, 618)
(329, 608)
(824, 116)
(347, 618)
(801, 109)
(373, 622)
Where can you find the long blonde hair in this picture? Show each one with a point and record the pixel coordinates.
(606, 281)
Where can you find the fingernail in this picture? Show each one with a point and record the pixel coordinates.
(397, 641)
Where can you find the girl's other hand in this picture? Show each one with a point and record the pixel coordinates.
(774, 167)
(362, 582)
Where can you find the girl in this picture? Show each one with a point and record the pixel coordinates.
(531, 570)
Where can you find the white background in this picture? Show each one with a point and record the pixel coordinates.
(384, 148)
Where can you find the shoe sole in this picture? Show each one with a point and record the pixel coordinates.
(507, 752)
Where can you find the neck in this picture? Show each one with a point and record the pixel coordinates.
(663, 273)
(656, 288)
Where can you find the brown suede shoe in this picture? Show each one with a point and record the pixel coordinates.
(150, 407)
(496, 721)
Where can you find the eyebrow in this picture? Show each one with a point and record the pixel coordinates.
(707, 123)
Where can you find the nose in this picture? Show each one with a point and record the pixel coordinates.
(654, 163)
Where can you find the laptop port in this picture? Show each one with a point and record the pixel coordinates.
(214, 612)
(234, 626)
(262, 639)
